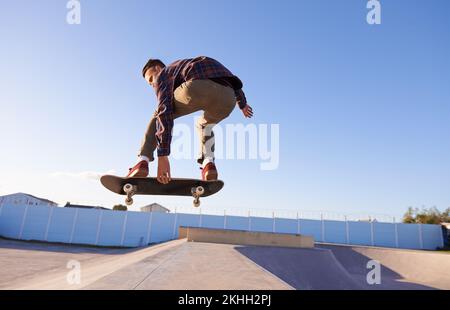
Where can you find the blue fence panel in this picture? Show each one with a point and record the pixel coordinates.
(212, 221)
(359, 233)
(61, 225)
(261, 224)
(311, 228)
(86, 226)
(408, 236)
(111, 228)
(1, 209)
(286, 226)
(56, 224)
(188, 220)
(335, 232)
(36, 223)
(11, 220)
(162, 228)
(237, 222)
(137, 231)
(432, 236)
(384, 234)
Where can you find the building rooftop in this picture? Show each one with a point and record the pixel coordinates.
(69, 205)
(25, 194)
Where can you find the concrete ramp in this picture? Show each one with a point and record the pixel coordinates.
(243, 237)
(303, 269)
(345, 268)
(172, 265)
(400, 269)
(193, 265)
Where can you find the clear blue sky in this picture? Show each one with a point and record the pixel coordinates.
(363, 110)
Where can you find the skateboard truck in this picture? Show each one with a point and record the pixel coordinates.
(130, 190)
(197, 192)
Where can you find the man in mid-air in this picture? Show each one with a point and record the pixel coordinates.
(182, 88)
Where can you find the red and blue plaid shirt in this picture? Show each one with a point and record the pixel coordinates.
(174, 75)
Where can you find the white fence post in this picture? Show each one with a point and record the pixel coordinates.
(396, 234)
(200, 218)
(48, 223)
(224, 219)
(99, 225)
(273, 223)
(149, 228)
(420, 236)
(347, 230)
(249, 221)
(323, 227)
(75, 218)
(22, 226)
(298, 224)
(174, 233)
(372, 239)
(124, 228)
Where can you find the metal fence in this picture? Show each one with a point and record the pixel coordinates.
(118, 228)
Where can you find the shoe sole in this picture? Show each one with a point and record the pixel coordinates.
(211, 176)
(138, 174)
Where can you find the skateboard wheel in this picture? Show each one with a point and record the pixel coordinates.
(129, 201)
(196, 203)
(128, 188)
(200, 190)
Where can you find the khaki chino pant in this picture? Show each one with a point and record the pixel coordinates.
(217, 102)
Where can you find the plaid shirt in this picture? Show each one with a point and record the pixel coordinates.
(174, 75)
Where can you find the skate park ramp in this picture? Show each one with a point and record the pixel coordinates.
(331, 267)
(183, 264)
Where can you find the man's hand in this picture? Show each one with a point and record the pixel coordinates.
(163, 175)
(247, 111)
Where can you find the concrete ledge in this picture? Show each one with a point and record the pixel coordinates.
(243, 237)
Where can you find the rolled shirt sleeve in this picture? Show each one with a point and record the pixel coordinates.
(164, 114)
(241, 101)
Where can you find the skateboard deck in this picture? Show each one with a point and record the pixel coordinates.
(150, 186)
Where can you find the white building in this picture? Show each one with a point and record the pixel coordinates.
(155, 207)
(26, 199)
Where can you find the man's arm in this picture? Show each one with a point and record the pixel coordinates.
(164, 121)
(241, 101)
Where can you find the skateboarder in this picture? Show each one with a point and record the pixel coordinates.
(184, 87)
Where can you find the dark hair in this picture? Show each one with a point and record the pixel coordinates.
(150, 63)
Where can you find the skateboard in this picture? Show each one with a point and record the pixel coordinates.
(150, 186)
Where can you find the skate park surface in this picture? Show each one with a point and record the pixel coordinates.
(188, 265)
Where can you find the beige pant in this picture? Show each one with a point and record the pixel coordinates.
(217, 102)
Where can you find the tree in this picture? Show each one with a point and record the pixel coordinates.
(426, 216)
(446, 215)
(410, 215)
(120, 208)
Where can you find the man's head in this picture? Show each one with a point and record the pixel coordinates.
(152, 69)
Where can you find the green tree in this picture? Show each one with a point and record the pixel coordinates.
(120, 208)
(446, 216)
(410, 216)
(426, 216)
